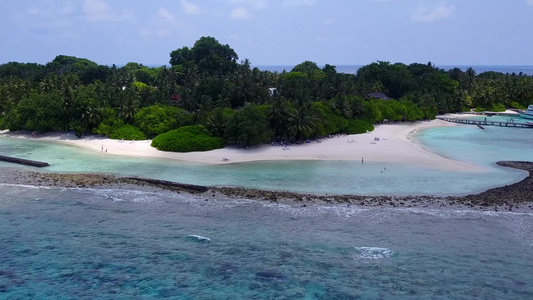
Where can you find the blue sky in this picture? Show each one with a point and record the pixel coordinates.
(269, 32)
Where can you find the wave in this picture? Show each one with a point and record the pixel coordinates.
(460, 213)
(199, 238)
(373, 252)
(25, 186)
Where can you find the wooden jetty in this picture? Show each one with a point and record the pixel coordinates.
(21, 161)
(490, 123)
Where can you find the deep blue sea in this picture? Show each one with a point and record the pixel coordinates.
(61, 243)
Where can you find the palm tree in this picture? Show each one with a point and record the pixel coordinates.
(224, 99)
(216, 122)
(92, 115)
(202, 107)
(342, 106)
(49, 84)
(129, 108)
(302, 123)
(278, 117)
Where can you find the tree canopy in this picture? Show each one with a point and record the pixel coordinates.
(206, 85)
(208, 55)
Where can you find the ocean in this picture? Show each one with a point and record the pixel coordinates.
(115, 244)
(71, 243)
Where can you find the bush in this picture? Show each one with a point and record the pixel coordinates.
(359, 126)
(158, 119)
(109, 124)
(77, 127)
(127, 132)
(517, 105)
(248, 126)
(187, 139)
(498, 107)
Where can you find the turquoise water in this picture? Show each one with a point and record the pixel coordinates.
(59, 243)
(480, 146)
(116, 244)
(466, 143)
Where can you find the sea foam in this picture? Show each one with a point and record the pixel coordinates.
(372, 252)
(199, 238)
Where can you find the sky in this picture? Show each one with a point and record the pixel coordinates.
(272, 32)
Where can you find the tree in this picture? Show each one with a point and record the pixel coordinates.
(302, 123)
(209, 55)
(158, 119)
(181, 56)
(278, 117)
(248, 127)
(37, 112)
(88, 71)
(217, 121)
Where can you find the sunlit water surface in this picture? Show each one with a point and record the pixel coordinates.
(61, 243)
(117, 244)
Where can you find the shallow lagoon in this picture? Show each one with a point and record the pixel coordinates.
(466, 143)
(60, 243)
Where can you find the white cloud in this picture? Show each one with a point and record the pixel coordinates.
(298, 2)
(257, 4)
(441, 12)
(33, 11)
(165, 14)
(347, 40)
(98, 11)
(68, 10)
(155, 33)
(261, 4)
(240, 13)
(190, 8)
(95, 9)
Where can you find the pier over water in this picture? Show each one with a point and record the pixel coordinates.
(485, 122)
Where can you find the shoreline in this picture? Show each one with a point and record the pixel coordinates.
(395, 144)
(515, 197)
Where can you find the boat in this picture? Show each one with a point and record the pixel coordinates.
(528, 114)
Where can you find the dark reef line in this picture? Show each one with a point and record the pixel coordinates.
(21, 161)
(505, 198)
(509, 197)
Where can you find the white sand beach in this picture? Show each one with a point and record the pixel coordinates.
(394, 145)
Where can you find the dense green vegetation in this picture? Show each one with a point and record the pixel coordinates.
(187, 139)
(206, 85)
